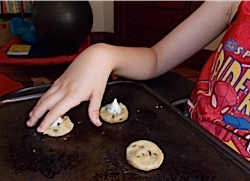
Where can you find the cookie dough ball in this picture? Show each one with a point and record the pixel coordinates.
(60, 127)
(144, 155)
(114, 112)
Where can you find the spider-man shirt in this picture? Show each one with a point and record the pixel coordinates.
(220, 101)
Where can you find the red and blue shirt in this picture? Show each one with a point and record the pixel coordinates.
(220, 101)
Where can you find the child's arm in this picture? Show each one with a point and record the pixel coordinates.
(86, 78)
(205, 24)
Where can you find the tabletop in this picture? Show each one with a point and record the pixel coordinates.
(91, 153)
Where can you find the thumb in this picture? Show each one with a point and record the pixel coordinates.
(94, 108)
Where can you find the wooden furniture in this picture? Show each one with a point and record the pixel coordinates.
(143, 23)
(9, 10)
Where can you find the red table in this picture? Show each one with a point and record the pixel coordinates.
(21, 69)
(24, 61)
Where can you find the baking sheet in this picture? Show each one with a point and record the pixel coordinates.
(90, 153)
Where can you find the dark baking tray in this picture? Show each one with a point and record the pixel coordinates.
(91, 153)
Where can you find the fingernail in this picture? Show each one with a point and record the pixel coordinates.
(30, 114)
(28, 123)
(98, 122)
(40, 130)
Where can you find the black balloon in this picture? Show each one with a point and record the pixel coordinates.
(62, 23)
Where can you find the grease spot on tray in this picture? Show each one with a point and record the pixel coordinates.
(49, 162)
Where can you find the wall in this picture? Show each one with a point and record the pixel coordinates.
(103, 14)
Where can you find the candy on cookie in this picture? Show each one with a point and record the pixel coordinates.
(60, 127)
(114, 112)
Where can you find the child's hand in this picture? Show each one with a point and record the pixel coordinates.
(85, 79)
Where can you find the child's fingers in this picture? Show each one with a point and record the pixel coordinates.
(59, 109)
(94, 107)
(46, 102)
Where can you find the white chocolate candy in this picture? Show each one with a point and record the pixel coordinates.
(57, 122)
(114, 112)
(114, 107)
(59, 127)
